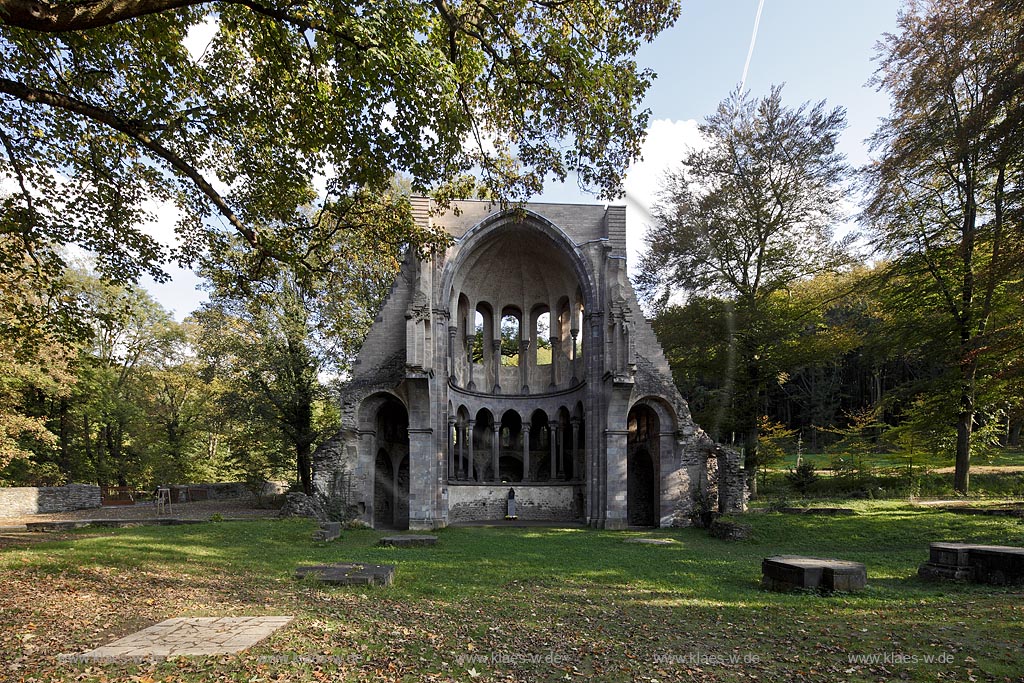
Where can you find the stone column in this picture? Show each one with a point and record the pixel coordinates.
(552, 438)
(452, 472)
(452, 330)
(496, 359)
(614, 488)
(574, 332)
(461, 431)
(469, 357)
(554, 361)
(471, 466)
(524, 366)
(526, 451)
(575, 448)
(495, 445)
(561, 450)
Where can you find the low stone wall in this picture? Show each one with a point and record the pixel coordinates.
(181, 493)
(541, 502)
(32, 500)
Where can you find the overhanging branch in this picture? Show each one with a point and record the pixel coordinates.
(58, 101)
(45, 17)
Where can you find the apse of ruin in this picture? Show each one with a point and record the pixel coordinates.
(519, 360)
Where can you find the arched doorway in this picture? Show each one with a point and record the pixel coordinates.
(642, 501)
(391, 467)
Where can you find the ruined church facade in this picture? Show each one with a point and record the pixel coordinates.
(519, 359)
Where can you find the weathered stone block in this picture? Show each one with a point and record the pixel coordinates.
(830, 512)
(991, 564)
(730, 531)
(408, 541)
(795, 572)
(328, 531)
(950, 554)
(997, 565)
(349, 574)
(652, 541)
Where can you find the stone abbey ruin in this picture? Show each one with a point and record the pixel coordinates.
(519, 359)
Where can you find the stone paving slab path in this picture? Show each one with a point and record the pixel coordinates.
(190, 636)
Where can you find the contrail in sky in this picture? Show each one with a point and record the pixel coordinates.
(750, 52)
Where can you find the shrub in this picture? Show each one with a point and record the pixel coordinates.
(802, 477)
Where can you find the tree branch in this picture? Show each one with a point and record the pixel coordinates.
(58, 101)
(36, 15)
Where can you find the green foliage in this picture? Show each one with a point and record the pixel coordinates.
(747, 217)
(802, 477)
(124, 107)
(944, 204)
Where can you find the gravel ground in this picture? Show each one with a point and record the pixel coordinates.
(244, 507)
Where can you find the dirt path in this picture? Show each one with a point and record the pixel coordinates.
(198, 510)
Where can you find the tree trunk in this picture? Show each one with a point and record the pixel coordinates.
(305, 467)
(964, 429)
(65, 436)
(750, 461)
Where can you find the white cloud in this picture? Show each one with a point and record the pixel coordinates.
(666, 144)
(200, 35)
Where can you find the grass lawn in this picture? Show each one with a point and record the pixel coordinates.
(526, 604)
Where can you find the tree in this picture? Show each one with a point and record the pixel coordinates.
(945, 201)
(116, 104)
(129, 331)
(745, 218)
(272, 332)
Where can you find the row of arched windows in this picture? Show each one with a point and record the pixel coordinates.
(482, 448)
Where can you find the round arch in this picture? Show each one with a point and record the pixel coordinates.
(526, 219)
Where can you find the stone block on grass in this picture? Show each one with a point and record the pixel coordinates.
(796, 572)
(328, 531)
(349, 574)
(408, 541)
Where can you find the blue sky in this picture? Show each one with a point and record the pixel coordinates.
(820, 49)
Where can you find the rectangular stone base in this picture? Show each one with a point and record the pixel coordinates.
(408, 541)
(993, 564)
(345, 574)
(795, 572)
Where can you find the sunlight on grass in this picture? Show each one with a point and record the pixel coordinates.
(607, 606)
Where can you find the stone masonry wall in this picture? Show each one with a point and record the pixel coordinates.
(30, 500)
(550, 503)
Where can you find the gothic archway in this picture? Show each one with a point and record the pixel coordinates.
(642, 501)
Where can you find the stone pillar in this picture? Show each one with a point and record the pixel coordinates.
(452, 330)
(524, 366)
(552, 438)
(554, 364)
(575, 448)
(461, 431)
(561, 450)
(574, 332)
(423, 475)
(615, 479)
(469, 357)
(496, 359)
(495, 446)
(526, 451)
(452, 473)
(471, 466)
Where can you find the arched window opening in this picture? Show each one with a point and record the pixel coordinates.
(510, 334)
(543, 332)
(478, 337)
(577, 324)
